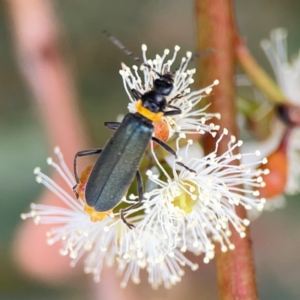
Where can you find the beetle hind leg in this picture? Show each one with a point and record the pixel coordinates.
(140, 189)
(186, 167)
(80, 154)
(129, 225)
(172, 151)
(75, 190)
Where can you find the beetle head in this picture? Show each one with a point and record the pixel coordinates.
(164, 84)
(154, 101)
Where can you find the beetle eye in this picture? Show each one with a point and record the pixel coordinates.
(151, 106)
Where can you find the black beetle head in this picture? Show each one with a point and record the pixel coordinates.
(164, 84)
(154, 101)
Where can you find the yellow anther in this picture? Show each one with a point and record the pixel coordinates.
(185, 200)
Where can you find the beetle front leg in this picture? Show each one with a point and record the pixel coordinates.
(140, 189)
(136, 94)
(176, 111)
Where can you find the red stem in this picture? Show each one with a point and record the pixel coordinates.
(36, 32)
(215, 23)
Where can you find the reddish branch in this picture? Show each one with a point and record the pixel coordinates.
(37, 40)
(216, 31)
(35, 32)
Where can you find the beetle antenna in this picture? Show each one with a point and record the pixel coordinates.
(178, 96)
(194, 57)
(149, 67)
(118, 43)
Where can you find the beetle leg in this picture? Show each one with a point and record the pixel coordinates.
(186, 167)
(164, 145)
(112, 125)
(140, 189)
(172, 151)
(129, 225)
(136, 94)
(80, 154)
(178, 96)
(173, 106)
(176, 111)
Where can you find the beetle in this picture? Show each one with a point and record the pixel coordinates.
(119, 160)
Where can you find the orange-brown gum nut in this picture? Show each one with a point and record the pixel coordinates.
(80, 189)
(277, 178)
(161, 130)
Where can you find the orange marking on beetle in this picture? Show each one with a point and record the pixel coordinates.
(147, 113)
(95, 216)
(84, 176)
(161, 130)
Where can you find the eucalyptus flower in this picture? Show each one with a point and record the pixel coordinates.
(103, 238)
(192, 119)
(79, 230)
(196, 206)
(287, 73)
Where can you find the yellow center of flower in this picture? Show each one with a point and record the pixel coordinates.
(96, 216)
(147, 113)
(185, 200)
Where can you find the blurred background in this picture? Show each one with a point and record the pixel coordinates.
(93, 64)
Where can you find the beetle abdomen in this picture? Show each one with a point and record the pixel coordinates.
(116, 167)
